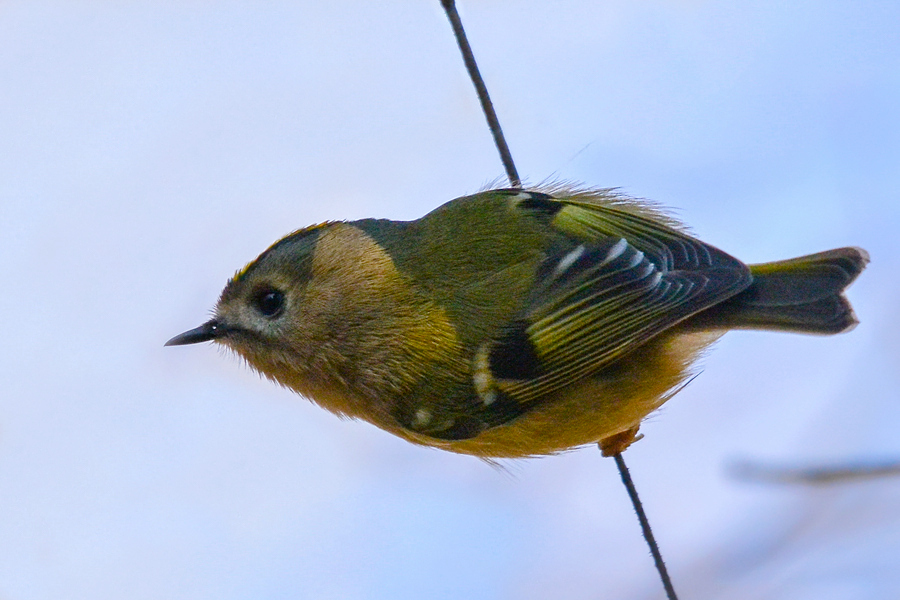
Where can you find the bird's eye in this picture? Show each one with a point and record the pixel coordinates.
(269, 302)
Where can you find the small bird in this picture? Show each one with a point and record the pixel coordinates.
(510, 323)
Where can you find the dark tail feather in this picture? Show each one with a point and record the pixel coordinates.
(802, 295)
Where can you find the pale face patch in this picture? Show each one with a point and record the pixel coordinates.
(363, 319)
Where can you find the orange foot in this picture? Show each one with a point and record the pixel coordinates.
(618, 443)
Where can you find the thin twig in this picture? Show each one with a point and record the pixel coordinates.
(821, 475)
(486, 104)
(513, 175)
(645, 527)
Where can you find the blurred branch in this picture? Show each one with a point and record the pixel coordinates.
(814, 475)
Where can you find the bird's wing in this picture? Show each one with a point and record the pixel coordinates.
(595, 301)
(614, 279)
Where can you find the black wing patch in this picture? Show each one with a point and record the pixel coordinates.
(514, 356)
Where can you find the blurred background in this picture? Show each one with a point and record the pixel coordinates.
(150, 149)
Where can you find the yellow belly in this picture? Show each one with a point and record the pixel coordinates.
(616, 399)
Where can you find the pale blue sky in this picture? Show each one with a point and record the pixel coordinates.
(150, 149)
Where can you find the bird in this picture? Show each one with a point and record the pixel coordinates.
(511, 323)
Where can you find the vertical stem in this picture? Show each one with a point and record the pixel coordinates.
(506, 157)
(645, 526)
(486, 105)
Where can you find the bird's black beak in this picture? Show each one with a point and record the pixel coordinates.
(206, 332)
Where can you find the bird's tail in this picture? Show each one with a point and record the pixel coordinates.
(802, 295)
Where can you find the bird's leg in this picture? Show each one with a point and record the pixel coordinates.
(619, 442)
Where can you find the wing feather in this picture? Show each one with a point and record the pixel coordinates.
(621, 280)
